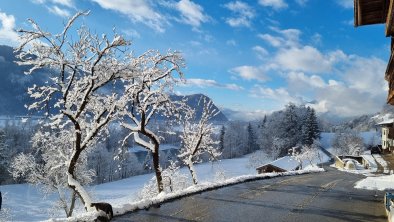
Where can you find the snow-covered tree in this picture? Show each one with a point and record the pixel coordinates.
(306, 153)
(5, 212)
(235, 140)
(78, 96)
(311, 152)
(258, 158)
(4, 156)
(278, 145)
(48, 168)
(197, 138)
(347, 143)
(147, 95)
(173, 180)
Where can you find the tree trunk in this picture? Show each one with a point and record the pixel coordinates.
(156, 166)
(192, 171)
(72, 205)
(73, 182)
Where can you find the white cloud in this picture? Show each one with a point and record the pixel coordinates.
(137, 10)
(275, 4)
(316, 39)
(231, 42)
(314, 81)
(301, 2)
(132, 33)
(7, 34)
(344, 101)
(250, 73)
(320, 107)
(361, 74)
(245, 115)
(243, 14)
(191, 13)
(68, 3)
(353, 87)
(291, 55)
(348, 4)
(272, 40)
(286, 38)
(261, 52)
(356, 91)
(305, 59)
(58, 11)
(280, 95)
(203, 83)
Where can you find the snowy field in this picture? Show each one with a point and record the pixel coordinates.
(26, 203)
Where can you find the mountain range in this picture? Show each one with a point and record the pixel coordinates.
(14, 84)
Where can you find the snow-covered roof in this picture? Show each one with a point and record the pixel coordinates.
(286, 163)
(386, 121)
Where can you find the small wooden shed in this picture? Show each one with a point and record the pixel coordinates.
(284, 164)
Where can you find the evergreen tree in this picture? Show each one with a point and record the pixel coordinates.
(315, 126)
(221, 139)
(290, 129)
(4, 156)
(252, 146)
(263, 122)
(310, 128)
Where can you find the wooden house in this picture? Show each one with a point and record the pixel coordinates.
(370, 12)
(286, 163)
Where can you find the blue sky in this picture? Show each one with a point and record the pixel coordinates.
(251, 56)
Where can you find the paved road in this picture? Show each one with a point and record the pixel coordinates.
(327, 196)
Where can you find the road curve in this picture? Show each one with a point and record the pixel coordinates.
(327, 196)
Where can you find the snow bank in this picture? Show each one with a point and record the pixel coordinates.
(164, 197)
(376, 183)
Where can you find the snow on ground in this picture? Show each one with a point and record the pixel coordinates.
(144, 203)
(384, 182)
(371, 161)
(382, 162)
(25, 202)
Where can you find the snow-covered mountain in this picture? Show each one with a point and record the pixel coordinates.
(361, 123)
(196, 102)
(14, 84)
